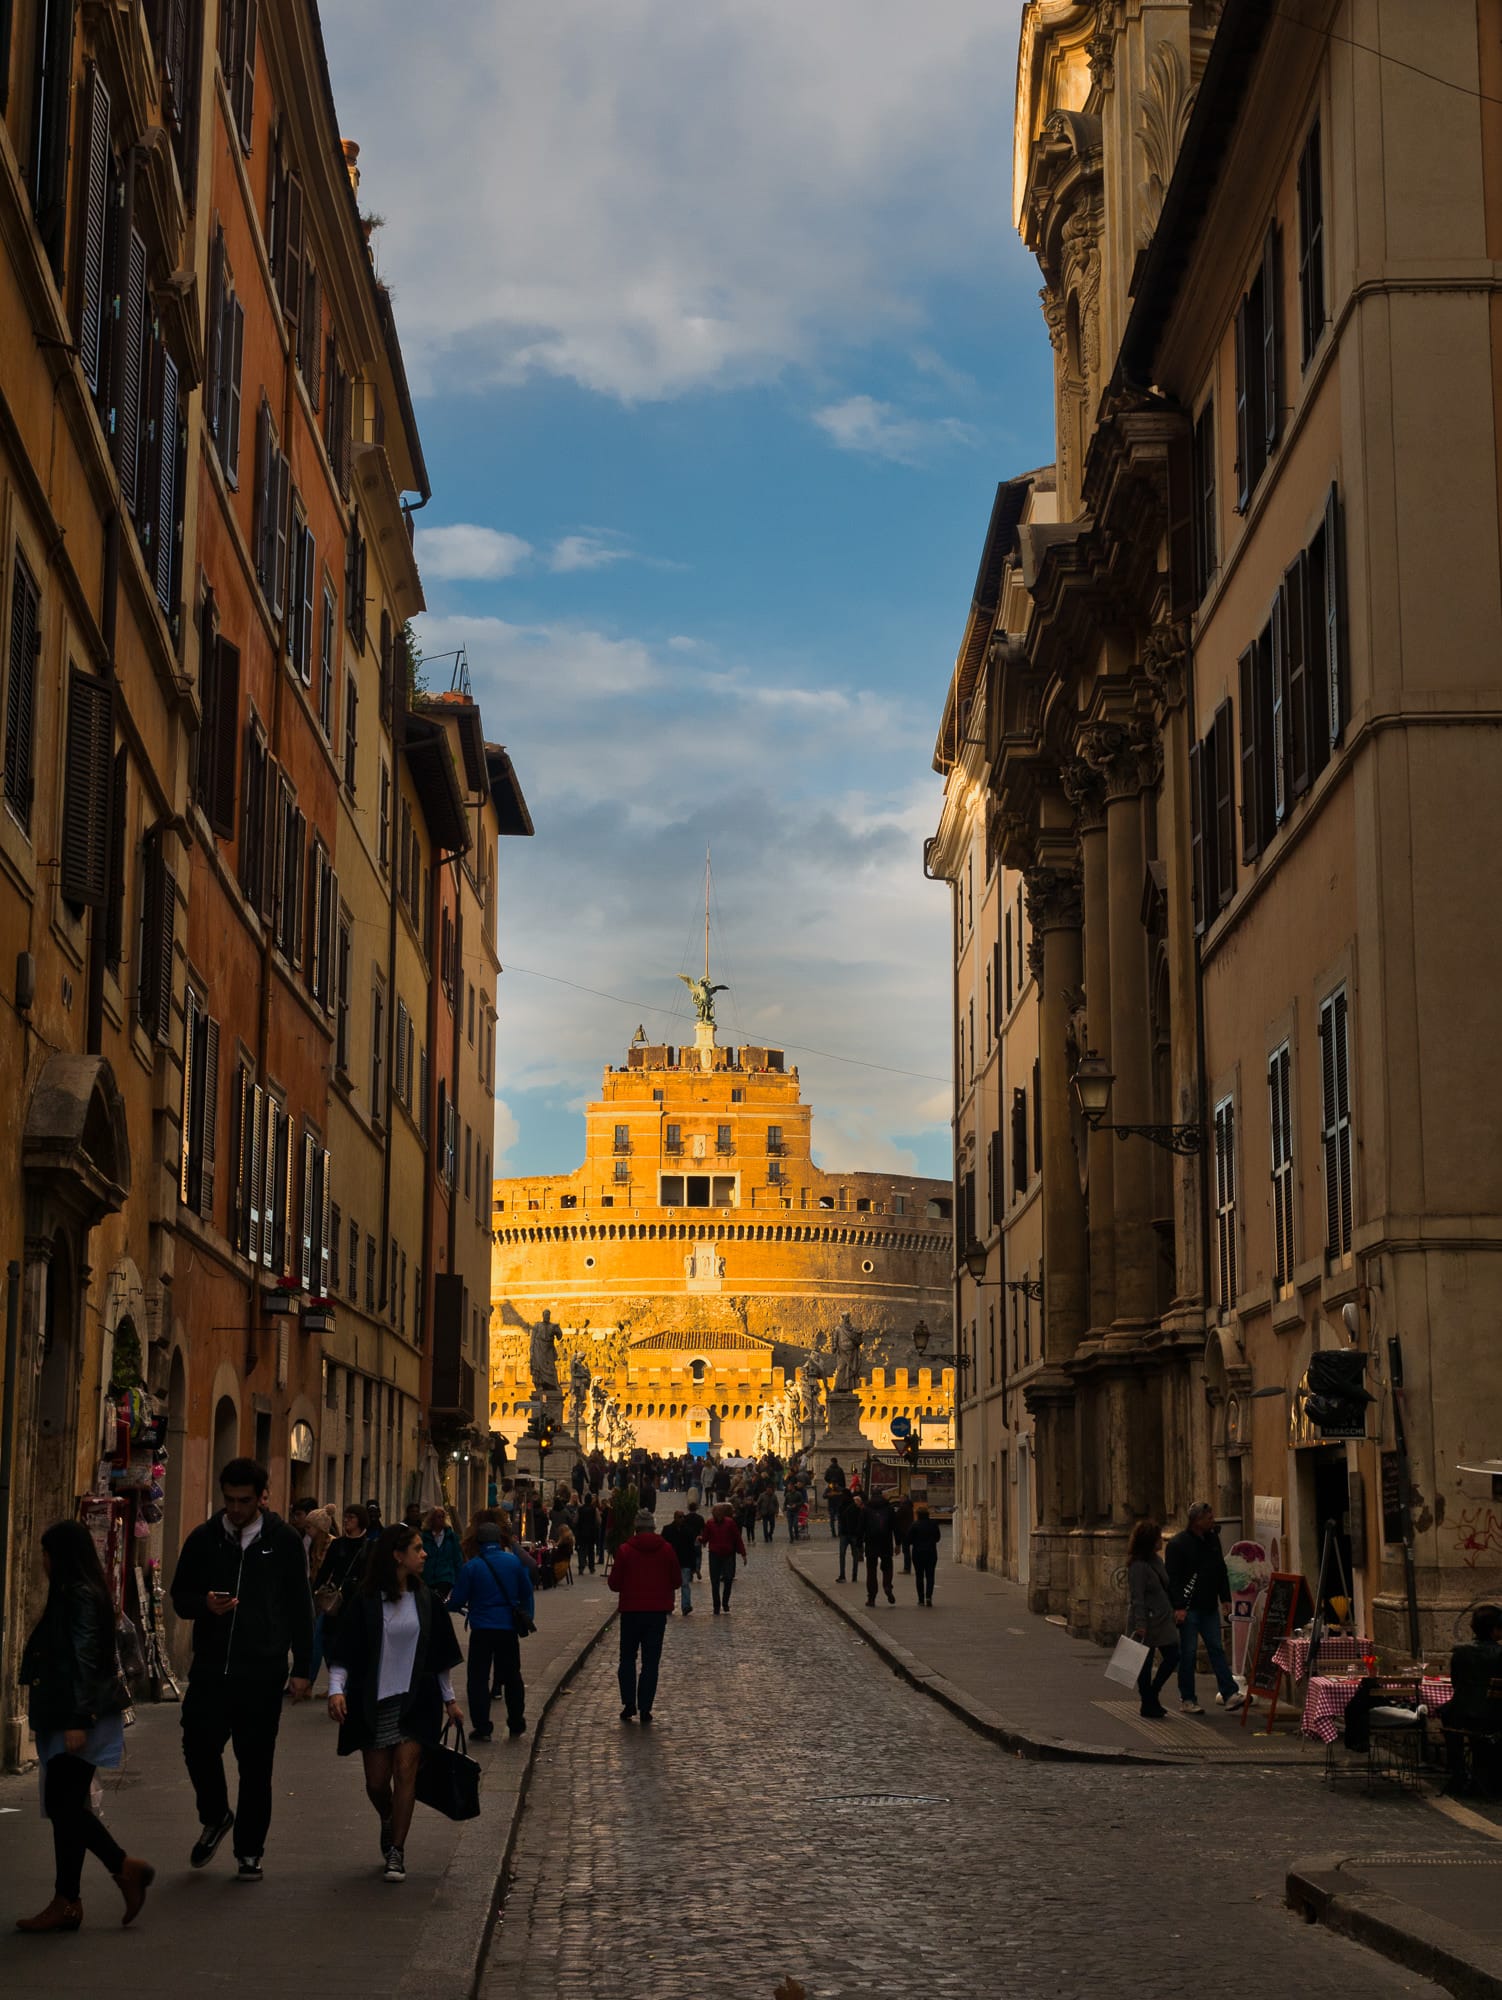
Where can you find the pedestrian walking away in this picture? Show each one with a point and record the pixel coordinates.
(766, 1511)
(682, 1535)
(852, 1534)
(1200, 1592)
(644, 1576)
(587, 1531)
(1151, 1616)
(335, 1579)
(923, 1544)
(242, 1579)
(441, 1570)
(389, 1688)
(722, 1538)
(902, 1527)
(834, 1493)
(76, 1702)
(879, 1548)
(495, 1589)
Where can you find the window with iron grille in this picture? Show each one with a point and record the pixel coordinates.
(1280, 1110)
(1225, 1205)
(1335, 1122)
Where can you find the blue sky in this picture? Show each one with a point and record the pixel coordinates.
(721, 341)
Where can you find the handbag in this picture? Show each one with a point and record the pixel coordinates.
(1127, 1661)
(448, 1778)
(328, 1598)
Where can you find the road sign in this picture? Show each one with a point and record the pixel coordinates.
(901, 1426)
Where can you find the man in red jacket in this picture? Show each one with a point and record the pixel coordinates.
(722, 1537)
(644, 1575)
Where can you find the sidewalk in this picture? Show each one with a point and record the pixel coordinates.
(1026, 1683)
(322, 1921)
(1437, 1914)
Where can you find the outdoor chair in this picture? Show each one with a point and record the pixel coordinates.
(1383, 1737)
(1474, 1749)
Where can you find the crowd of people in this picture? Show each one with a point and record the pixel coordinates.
(269, 1603)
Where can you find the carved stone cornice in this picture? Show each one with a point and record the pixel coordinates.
(1082, 785)
(1053, 318)
(1127, 756)
(1165, 660)
(1055, 900)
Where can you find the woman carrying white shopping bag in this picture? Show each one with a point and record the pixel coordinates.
(1151, 1620)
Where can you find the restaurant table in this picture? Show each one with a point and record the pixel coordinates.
(1336, 1649)
(1330, 1694)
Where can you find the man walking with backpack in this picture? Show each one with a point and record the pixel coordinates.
(495, 1588)
(242, 1579)
(645, 1574)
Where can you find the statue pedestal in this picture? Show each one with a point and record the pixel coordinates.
(843, 1435)
(704, 1044)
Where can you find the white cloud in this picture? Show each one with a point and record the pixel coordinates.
(860, 423)
(466, 551)
(649, 198)
(507, 1134)
(576, 552)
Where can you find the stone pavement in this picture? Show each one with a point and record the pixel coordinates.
(797, 1810)
(1437, 1914)
(322, 1922)
(1028, 1684)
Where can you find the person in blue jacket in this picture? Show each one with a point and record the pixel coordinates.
(495, 1589)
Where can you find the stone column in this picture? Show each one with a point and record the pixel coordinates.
(1123, 755)
(1054, 911)
(1084, 788)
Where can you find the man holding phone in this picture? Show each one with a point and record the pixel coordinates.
(242, 1579)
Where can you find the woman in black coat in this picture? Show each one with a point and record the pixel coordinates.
(1152, 1615)
(389, 1686)
(77, 1699)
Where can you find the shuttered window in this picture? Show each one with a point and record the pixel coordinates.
(132, 387)
(1256, 762)
(323, 905)
(310, 332)
(1280, 1120)
(302, 591)
(1037, 1117)
(245, 1222)
(225, 361)
(200, 1106)
(1335, 1122)
(351, 729)
(219, 735)
(93, 271)
(1311, 246)
(1019, 1141)
(158, 946)
(1225, 1205)
(388, 658)
(403, 1080)
(88, 759)
(342, 993)
(355, 582)
(383, 818)
(328, 652)
(237, 59)
(1224, 773)
(273, 500)
(114, 907)
(1212, 832)
(291, 843)
(1259, 386)
(1327, 593)
(171, 451)
(47, 164)
(378, 1050)
(1202, 478)
(254, 823)
(22, 654)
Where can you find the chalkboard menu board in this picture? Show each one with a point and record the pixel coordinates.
(1286, 1601)
(1392, 1498)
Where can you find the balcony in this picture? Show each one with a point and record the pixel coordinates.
(622, 1146)
(775, 1148)
(672, 1146)
(724, 1148)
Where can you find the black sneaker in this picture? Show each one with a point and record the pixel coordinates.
(628, 1715)
(385, 1838)
(646, 1718)
(396, 1866)
(516, 1729)
(250, 1868)
(207, 1844)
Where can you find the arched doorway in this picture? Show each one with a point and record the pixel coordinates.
(226, 1439)
(57, 1387)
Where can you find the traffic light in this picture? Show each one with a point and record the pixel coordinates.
(545, 1433)
(1336, 1394)
(910, 1448)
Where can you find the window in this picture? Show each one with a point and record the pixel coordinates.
(317, 1222)
(1335, 1121)
(22, 655)
(217, 749)
(378, 1049)
(387, 653)
(622, 1171)
(273, 490)
(774, 1139)
(673, 1139)
(200, 1106)
(352, 1263)
(322, 908)
(723, 1143)
(1258, 374)
(737, 1096)
(1311, 247)
(995, 1199)
(383, 818)
(336, 417)
(467, 1146)
(370, 1272)
(237, 58)
(341, 992)
(1280, 1107)
(327, 655)
(1007, 932)
(1225, 1204)
(88, 777)
(1037, 1118)
(336, 1241)
(225, 341)
(623, 1138)
(351, 729)
(1019, 1141)
(1212, 803)
(302, 591)
(355, 565)
(158, 942)
(471, 1029)
(291, 834)
(47, 165)
(988, 1005)
(1202, 497)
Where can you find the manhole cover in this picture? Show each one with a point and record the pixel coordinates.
(878, 1799)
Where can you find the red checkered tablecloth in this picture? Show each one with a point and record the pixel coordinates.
(1335, 1649)
(1329, 1695)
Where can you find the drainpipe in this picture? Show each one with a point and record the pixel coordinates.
(7, 1440)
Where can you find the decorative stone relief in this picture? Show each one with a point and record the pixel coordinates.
(1163, 108)
(1100, 51)
(1054, 900)
(1165, 655)
(1127, 756)
(1082, 786)
(1053, 317)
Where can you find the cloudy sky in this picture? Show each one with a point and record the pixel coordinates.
(721, 342)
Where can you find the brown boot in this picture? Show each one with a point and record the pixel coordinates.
(58, 1916)
(134, 1879)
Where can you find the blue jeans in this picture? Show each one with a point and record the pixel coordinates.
(686, 1593)
(1204, 1625)
(856, 1546)
(316, 1658)
(641, 1632)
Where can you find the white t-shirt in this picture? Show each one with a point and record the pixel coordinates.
(399, 1636)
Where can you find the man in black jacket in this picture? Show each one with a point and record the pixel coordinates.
(1200, 1593)
(682, 1536)
(242, 1578)
(852, 1535)
(879, 1546)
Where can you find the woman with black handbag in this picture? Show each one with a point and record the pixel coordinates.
(77, 1700)
(389, 1688)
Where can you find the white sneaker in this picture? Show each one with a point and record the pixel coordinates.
(1190, 1708)
(396, 1865)
(1233, 1702)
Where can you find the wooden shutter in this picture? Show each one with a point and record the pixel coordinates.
(1272, 330)
(1335, 634)
(1225, 1203)
(309, 1169)
(1329, 1125)
(253, 817)
(91, 319)
(1251, 757)
(209, 1118)
(273, 1167)
(261, 533)
(325, 1222)
(289, 277)
(262, 1112)
(190, 1063)
(351, 738)
(234, 336)
(287, 1172)
(225, 746)
(309, 593)
(309, 339)
(49, 178)
(87, 777)
(1225, 806)
(20, 689)
(214, 343)
(1243, 427)
(114, 908)
(128, 416)
(245, 67)
(158, 945)
(167, 489)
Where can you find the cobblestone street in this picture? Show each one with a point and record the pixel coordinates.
(750, 1835)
